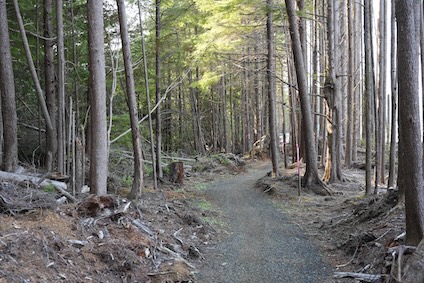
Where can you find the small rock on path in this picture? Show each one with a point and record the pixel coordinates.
(264, 245)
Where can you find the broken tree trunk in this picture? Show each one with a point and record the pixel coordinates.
(176, 172)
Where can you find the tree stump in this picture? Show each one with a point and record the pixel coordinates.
(176, 172)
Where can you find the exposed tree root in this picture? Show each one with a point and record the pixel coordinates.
(316, 185)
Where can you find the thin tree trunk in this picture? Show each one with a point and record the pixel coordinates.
(350, 87)
(132, 103)
(258, 100)
(272, 90)
(323, 62)
(284, 128)
(49, 84)
(226, 134)
(146, 82)
(61, 151)
(380, 144)
(393, 133)
(158, 90)
(316, 75)
(369, 92)
(358, 78)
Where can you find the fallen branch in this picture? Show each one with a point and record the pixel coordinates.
(359, 276)
(176, 256)
(402, 248)
(59, 186)
(142, 227)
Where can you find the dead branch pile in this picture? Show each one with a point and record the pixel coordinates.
(105, 239)
(15, 199)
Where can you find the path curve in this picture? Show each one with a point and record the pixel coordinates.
(264, 245)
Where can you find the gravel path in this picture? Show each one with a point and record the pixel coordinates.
(264, 246)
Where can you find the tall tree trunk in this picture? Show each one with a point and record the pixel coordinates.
(302, 28)
(311, 178)
(49, 84)
(146, 82)
(332, 95)
(322, 110)
(315, 76)
(243, 114)
(380, 143)
(158, 90)
(421, 22)
(272, 89)
(258, 100)
(61, 137)
(97, 91)
(393, 133)
(358, 78)
(131, 101)
(8, 100)
(369, 92)
(410, 146)
(350, 86)
(284, 127)
(226, 135)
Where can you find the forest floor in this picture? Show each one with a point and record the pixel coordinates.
(190, 232)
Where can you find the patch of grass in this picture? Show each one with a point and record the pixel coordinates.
(200, 187)
(165, 170)
(148, 170)
(127, 181)
(214, 221)
(221, 159)
(49, 189)
(204, 205)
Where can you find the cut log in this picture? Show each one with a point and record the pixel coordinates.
(59, 186)
(176, 172)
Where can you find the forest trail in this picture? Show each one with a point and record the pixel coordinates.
(264, 245)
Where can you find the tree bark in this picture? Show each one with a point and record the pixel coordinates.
(410, 146)
(131, 102)
(380, 143)
(350, 86)
(272, 89)
(369, 92)
(49, 84)
(61, 161)
(393, 133)
(158, 90)
(97, 91)
(332, 95)
(8, 96)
